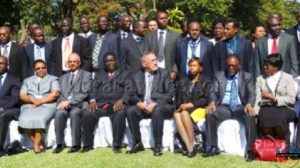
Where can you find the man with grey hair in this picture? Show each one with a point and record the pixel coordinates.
(153, 99)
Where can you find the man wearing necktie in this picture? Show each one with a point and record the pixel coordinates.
(274, 42)
(153, 99)
(9, 100)
(133, 47)
(163, 43)
(76, 85)
(232, 97)
(233, 44)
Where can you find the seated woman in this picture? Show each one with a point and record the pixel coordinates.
(275, 98)
(192, 93)
(39, 93)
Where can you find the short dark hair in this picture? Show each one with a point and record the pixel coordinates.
(192, 20)
(195, 59)
(38, 61)
(274, 60)
(136, 23)
(221, 20)
(109, 54)
(231, 20)
(253, 28)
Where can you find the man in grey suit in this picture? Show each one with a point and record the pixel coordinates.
(132, 48)
(76, 85)
(163, 43)
(277, 42)
(232, 97)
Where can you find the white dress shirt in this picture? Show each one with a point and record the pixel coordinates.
(71, 42)
(8, 48)
(39, 52)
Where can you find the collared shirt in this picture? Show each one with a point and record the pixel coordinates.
(148, 87)
(226, 98)
(197, 49)
(85, 35)
(123, 32)
(136, 38)
(270, 43)
(232, 45)
(39, 52)
(8, 47)
(31, 40)
(272, 81)
(71, 42)
(3, 78)
(162, 63)
(72, 73)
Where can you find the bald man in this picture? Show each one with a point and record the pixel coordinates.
(76, 85)
(9, 99)
(232, 97)
(18, 62)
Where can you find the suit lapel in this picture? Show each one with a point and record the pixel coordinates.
(265, 47)
(12, 53)
(75, 43)
(281, 43)
(202, 48)
(5, 85)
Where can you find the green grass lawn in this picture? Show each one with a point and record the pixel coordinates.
(104, 157)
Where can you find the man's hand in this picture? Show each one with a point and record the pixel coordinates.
(249, 110)
(142, 106)
(211, 107)
(92, 106)
(63, 105)
(119, 105)
(150, 107)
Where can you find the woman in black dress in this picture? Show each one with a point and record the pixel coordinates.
(192, 93)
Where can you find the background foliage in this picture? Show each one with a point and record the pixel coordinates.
(49, 12)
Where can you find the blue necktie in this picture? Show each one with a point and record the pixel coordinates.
(234, 95)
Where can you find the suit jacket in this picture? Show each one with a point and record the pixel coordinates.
(81, 46)
(163, 89)
(199, 96)
(9, 95)
(109, 44)
(18, 62)
(293, 31)
(244, 52)
(172, 38)
(287, 47)
(206, 49)
(78, 90)
(29, 49)
(132, 51)
(105, 91)
(246, 88)
(285, 92)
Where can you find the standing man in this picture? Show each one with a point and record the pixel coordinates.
(102, 43)
(76, 85)
(236, 45)
(132, 48)
(163, 43)
(40, 49)
(85, 27)
(277, 42)
(9, 99)
(17, 60)
(196, 45)
(109, 96)
(68, 43)
(29, 38)
(232, 97)
(153, 99)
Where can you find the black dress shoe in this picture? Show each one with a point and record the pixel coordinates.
(212, 152)
(86, 149)
(74, 149)
(117, 149)
(249, 156)
(58, 149)
(184, 152)
(136, 148)
(157, 150)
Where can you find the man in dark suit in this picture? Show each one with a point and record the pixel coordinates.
(85, 27)
(232, 97)
(9, 98)
(66, 44)
(233, 44)
(29, 38)
(196, 45)
(109, 96)
(277, 42)
(40, 49)
(163, 43)
(102, 43)
(76, 84)
(132, 48)
(153, 99)
(17, 60)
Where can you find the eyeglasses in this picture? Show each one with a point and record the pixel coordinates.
(39, 68)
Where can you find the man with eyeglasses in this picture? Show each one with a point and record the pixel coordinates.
(277, 41)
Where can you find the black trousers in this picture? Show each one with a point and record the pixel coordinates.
(298, 133)
(5, 118)
(60, 122)
(222, 113)
(90, 120)
(134, 116)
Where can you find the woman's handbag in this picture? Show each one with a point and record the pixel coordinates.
(269, 149)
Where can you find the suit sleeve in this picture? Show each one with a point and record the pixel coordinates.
(82, 94)
(168, 93)
(13, 99)
(293, 57)
(250, 86)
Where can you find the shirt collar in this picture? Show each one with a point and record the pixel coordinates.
(71, 36)
(4, 76)
(7, 44)
(75, 72)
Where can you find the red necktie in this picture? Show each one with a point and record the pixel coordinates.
(274, 46)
